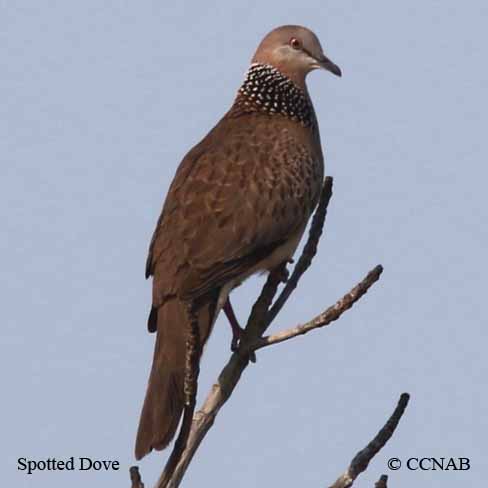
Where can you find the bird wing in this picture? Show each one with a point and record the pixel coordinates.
(237, 196)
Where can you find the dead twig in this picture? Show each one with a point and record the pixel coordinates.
(326, 317)
(135, 477)
(259, 320)
(262, 314)
(227, 381)
(309, 251)
(361, 460)
(382, 482)
(192, 369)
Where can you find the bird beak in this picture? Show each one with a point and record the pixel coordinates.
(327, 64)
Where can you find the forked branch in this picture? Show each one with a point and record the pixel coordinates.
(326, 317)
(262, 314)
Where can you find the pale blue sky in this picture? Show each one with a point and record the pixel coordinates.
(100, 101)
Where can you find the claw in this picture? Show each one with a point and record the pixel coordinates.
(234, 344)
(282, 272)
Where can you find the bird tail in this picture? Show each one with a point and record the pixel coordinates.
(165, 396)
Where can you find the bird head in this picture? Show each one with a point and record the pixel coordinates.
(294, 51)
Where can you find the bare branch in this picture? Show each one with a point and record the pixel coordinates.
(192, 369)
(262, 314)
(309, 251)
(135, 477)
(227, 381)
(259, 320)
(382, 482)
(326, 317)
(362, 458)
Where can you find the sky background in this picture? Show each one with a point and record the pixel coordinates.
(101, 100)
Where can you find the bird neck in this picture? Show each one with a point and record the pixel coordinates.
(266, 90)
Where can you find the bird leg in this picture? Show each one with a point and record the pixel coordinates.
(237, 330)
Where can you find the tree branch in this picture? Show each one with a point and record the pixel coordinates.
(262, 314)
(382, 482)
(361, 460)
(227, 381)
(192, 369)
(135, 477)
(326, 317)
(259, 320)
(309, 251)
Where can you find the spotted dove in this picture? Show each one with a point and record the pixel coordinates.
(238, 205)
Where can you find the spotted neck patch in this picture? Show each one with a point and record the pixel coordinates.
(265, 89)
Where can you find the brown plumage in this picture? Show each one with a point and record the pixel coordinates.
(238, 204)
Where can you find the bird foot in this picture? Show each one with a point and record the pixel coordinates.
(237, 334)
(282, 271)
(236, 343)
(236, 338)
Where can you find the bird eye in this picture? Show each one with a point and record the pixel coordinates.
(295, 43)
